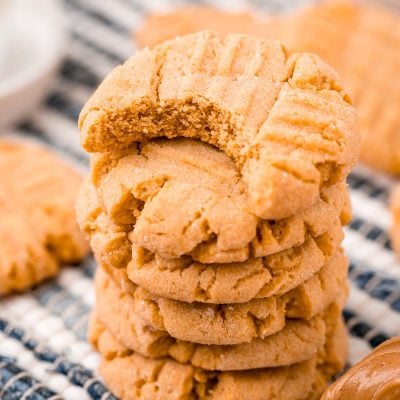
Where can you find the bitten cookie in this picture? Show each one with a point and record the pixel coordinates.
(221, 323)
(284, 120)
(187, 280)
(38, 230)
(184, 197)
(133, 376)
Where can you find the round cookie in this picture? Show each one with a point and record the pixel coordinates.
(295, 342)
(184, 197)
(38, 228)
(112, 237)
(185, 280)
(132, 376)
(284, 120)
(217, 324)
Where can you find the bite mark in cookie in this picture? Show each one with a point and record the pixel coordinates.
(284, 120)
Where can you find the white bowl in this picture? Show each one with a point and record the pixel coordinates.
(32, 43)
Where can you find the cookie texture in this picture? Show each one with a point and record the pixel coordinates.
(190, 281)
(132, 376)
(284, 120)
(297, 342)
(216, 324)
(184, 197)
(38, 230)
(112, 232)
(187, 280)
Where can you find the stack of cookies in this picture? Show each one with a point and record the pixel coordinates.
(215, 206)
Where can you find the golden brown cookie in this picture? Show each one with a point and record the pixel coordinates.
(186, 280)
(190, 19)
(272, 236)
(296, 342)
(132, 376)
(375, 377)
(212, 323)
(189, 281)
(395, 209)
(38, 229)
(284, 120)
(362, 43)
(186, 197)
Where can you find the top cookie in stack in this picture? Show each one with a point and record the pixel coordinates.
(214, 206)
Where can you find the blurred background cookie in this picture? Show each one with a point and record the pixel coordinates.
(38, 231)
(160, 27)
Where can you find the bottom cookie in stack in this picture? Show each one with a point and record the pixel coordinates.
(132, 376)
(293, 363)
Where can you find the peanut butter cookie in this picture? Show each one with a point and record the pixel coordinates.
(187, 280)
(184, 197)
(132, 376)
(284, 119)
(217, 324)
(38, 229)
(298, 341)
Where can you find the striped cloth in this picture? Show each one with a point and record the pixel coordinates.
(43, 349)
